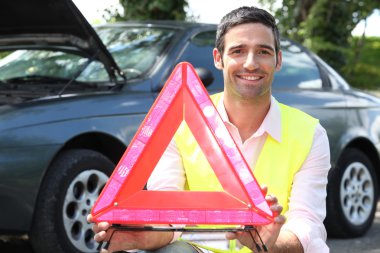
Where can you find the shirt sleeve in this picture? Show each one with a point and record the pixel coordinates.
(307, 203)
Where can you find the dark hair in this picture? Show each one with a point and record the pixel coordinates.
(245, 15)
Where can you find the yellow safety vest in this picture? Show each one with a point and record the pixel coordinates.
(276, 165)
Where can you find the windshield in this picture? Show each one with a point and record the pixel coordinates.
(47, 63)
(41, 70)
(135, 49)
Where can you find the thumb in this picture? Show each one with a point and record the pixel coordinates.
(231, 235)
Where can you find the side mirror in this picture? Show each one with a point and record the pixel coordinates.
(205, 75)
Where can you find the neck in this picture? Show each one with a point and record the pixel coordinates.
(247, 115)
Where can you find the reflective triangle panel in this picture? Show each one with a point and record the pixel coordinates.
(123, 200)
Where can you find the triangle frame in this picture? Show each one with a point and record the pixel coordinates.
(123, 200)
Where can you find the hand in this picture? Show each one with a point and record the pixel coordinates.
(128, 240)
(268, 233)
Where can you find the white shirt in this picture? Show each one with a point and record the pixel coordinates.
(307, 205)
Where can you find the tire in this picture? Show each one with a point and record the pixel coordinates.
(70, 188)
(352, 195)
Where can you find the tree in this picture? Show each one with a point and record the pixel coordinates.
(329, 25)
(324, 26)
(290, 16)
(148, 10)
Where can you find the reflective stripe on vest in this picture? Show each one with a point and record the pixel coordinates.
(276, 165)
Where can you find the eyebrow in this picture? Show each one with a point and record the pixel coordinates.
(267, 47)
(235, 47)
(260, 46)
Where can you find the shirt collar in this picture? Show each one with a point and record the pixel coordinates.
(270, 125)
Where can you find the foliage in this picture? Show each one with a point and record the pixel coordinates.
(323, 26)
(3, 54)
(148, 10)
(290, 16)
(328, 28)
(364, 72)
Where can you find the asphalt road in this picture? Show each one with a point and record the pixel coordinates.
(370, 243)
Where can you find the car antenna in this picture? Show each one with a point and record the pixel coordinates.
(75, 76)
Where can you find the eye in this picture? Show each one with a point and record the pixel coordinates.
(236, 51)
(265, 52)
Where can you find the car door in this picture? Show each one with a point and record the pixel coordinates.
(304, 84)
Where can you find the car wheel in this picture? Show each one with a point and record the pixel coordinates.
(352, 194)
(70, 188)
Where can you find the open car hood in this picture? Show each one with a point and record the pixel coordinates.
(51, 23)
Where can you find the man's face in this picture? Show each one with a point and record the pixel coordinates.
(248, 61)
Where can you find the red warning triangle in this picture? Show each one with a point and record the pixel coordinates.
(123, 201)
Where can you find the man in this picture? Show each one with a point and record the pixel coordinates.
(287, 149)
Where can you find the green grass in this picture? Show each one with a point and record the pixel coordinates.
(3, 54)
(365, 74)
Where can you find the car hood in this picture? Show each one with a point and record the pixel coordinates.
(51, 23)
(73, 107)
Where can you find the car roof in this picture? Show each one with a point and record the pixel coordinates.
(171, 24)
(50, 23)
(168, 23)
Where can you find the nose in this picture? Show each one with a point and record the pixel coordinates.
(250, 62)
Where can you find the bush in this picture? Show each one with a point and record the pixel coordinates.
(362, 70)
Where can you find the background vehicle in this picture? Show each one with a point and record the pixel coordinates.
(69, 108)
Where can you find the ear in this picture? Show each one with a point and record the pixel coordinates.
(218, 60)
(279, 60)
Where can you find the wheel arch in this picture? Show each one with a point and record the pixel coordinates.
(369, 149)
(103, 143)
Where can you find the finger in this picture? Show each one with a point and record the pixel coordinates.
(231, 235)
(89, 218)
(279, 219)
(101, 236)
(102, 226)
(95, 228)
(264, 189)
(276, 209)
(271, 199)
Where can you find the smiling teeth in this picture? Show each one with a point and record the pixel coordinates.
(250, 78)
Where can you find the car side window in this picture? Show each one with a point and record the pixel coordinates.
(199, 53)
(298, 70)
(337, 81)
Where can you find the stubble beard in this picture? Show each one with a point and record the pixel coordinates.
(249, 93)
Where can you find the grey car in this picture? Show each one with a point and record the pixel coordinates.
(72, 97)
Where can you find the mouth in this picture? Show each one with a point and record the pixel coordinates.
(250, 77)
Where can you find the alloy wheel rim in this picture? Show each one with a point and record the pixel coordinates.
(357, 193)
(79, 199)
